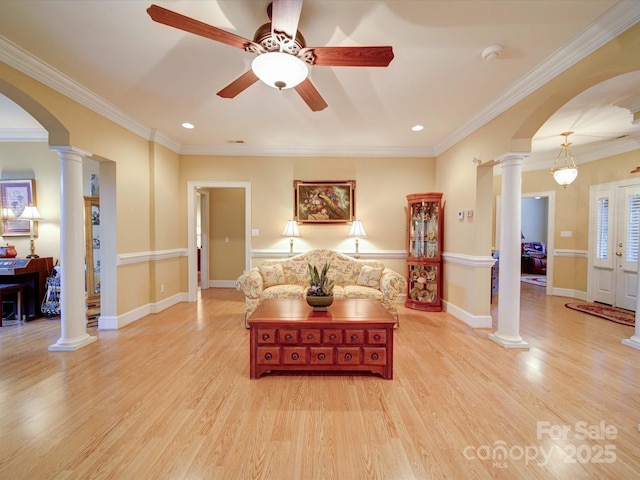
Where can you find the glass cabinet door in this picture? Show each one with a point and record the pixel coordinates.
(423, 230)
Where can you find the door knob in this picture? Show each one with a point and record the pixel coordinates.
(618, 254)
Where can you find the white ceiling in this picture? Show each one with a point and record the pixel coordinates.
(111, 56)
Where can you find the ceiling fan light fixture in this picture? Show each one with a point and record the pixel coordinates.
(280, 70)
(567, 172)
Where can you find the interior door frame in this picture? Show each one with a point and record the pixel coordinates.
(551, 225)
(192, 254)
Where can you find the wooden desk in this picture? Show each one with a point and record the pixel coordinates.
(353, 335)
(32, 273)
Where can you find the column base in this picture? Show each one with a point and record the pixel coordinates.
(70, 346)
(633, 342)
(508, 342)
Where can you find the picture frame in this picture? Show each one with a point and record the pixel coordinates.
(324, 201)
(15, 195)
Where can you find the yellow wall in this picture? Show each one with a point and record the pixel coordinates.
(380, 197)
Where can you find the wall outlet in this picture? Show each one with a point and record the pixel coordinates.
(255, 232)
(162, 288)
(566, 233)
(469, 213)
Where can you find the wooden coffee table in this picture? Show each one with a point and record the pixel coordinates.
(353, 335)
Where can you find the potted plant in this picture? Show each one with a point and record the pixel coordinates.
(320, 291)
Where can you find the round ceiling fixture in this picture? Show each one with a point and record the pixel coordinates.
(491, 52)
(280, 70)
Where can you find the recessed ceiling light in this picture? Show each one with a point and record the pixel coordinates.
(417, 128)
(188, 125)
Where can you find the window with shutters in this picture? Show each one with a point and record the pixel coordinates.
(633, 227)
(602, 242)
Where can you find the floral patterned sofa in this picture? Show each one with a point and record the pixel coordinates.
(353, 278)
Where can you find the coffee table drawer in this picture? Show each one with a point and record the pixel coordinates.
(375, 355)
(354, 337)
(294, 355)
(310, 336)
(377, 337)
(266, 335)
(286, 335)
(348, 356)
(268, 355)
(321, 355)
(331, 336)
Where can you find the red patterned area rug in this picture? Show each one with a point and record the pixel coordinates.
(618, 315)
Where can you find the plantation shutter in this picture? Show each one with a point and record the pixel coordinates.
(602, 236)
(633, 228)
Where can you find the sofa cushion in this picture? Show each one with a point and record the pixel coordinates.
(358, 291)
(272, 275)
(370, 276)
(282, 291)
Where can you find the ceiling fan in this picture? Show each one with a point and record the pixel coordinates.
(283, 59)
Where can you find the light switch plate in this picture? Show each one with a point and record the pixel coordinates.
(460, 215)
(255, 232)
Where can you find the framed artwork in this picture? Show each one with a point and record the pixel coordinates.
(15, 195)
(324, 202)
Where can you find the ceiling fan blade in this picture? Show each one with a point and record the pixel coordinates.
(351, 56)
(239, 85)
(176, 20)
(310, 95)
(285, 16)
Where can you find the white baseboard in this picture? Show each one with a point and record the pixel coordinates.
(568, 292)
(474, 321)
(222, 283)
(114, 323)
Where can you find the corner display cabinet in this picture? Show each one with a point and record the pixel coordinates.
(92, 259)
(424, 263)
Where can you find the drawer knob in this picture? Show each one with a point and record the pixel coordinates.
(310, 336)
(288, 336)
(268, 356)
(354, 337)
(321, 356)
(265, 336)
(374, 356)
(295, 356)
(332, 336)
(376, 337)
(347, 356)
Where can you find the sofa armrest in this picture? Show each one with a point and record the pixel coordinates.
(392, 284)
(250, 283)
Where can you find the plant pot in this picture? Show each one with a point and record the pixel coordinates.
(319, 304)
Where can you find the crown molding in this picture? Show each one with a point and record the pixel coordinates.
(305, 151)
(612, 23)
(20, 59)
(23, 135)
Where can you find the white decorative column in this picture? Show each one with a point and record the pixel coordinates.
(508, 333)
(73, 325)
(634, 341)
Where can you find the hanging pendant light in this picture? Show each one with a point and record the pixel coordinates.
(567, 172)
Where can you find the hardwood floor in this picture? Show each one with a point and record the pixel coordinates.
(169, 397)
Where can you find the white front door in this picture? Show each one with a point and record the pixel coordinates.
(614, 273)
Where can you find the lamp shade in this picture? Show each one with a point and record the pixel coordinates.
(30, 213)
(291, 229)
(280, 70)
(564, 176)
(7, 214)
(357, 230)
